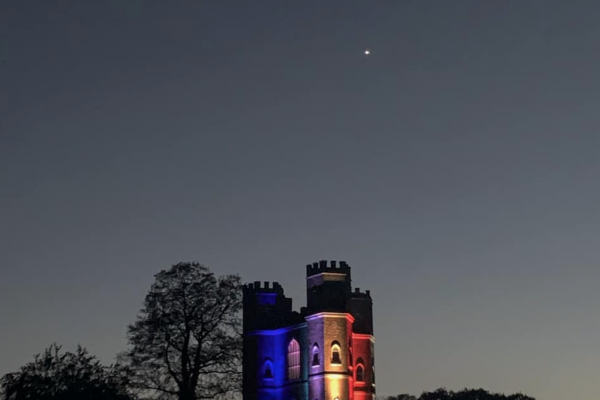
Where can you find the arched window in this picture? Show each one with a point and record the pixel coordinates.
(268, 369)
(293, 360)
(360, 370)
(315, 356)
(335, 353)
(360, 373)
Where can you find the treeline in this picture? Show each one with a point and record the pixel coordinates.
(465, 394)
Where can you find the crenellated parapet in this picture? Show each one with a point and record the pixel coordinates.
(331, 267)
(266, 306)
(359, 294)
(263, 287)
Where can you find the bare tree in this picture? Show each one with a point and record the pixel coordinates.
(186, 342)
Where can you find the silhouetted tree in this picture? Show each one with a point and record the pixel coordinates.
(65, 376)
(466, 394)
(405, 397)
(470, 394)
(439, 394)
(519, 396)
(398, 397)
(186, 343)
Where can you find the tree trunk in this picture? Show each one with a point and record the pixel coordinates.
(187, 394)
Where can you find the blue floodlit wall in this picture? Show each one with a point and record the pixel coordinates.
(272, 348)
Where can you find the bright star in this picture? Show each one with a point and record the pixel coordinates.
(367, 52)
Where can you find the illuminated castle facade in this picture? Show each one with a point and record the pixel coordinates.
(323, 352)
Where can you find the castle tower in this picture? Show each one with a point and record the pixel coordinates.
(329, 331)
(326, 352)
(360, 305)
(270, 328)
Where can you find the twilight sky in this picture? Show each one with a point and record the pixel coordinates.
(455, 169)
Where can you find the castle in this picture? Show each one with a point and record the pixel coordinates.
(323, 352)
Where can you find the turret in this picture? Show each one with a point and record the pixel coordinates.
(265, 307)
(328, 286)
(360, 305)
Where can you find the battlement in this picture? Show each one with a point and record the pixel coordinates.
(358, 293)
(322, 267)
(263, 287)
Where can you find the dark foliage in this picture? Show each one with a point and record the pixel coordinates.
(466, 394)
(400, 397)
(65, 376)
(186, 343)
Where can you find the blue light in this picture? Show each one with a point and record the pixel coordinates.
(266, 298)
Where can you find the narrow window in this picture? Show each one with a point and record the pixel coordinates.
(335, 353)
(360, 374)
(315, 360)
(360, 370)
(293, 361)
(268, 369)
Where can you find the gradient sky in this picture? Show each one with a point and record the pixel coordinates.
(456, 170)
